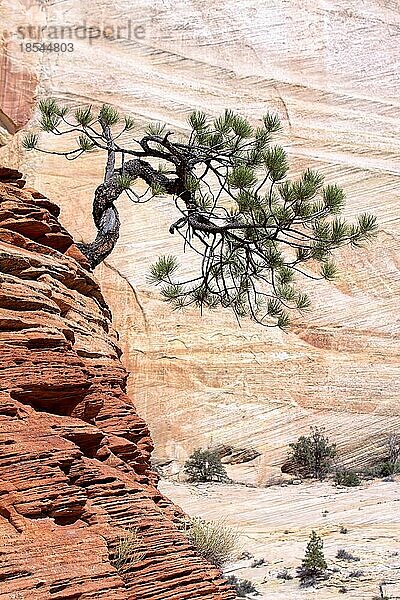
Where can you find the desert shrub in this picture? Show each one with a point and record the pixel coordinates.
(356, 574)
(213, 540)
(128, 550)
(343, 590)
(245, 555)
(347, 478)
(313, 454)
(381, 469)
(258, 562)
(284, 574)
(242, 586)
(386, 469)
(343, 530)
(313, 564)
(393, 446)
(342, 554)
(205, 465)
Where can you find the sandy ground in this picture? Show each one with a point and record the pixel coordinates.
(275, 524)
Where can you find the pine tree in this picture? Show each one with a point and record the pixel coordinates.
(205, 465)
(313, 564)
(313, 454)
(252, 230)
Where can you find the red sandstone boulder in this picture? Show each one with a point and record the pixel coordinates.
(74, 455)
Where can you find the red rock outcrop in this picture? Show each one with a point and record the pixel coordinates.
(17, 88)
(75, 468)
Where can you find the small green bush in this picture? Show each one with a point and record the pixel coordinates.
(347, 478)
(313, 454)
(205, 465)
(393, 458)
(213, 540)
(313, 564)
(382, 469)
(242, 586)
(386, 469)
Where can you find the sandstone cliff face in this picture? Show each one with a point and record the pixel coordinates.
(74, 455)
(331, 71)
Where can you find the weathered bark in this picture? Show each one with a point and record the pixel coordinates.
(105, 215)
(106, 238)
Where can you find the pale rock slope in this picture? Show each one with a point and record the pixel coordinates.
(359, 520)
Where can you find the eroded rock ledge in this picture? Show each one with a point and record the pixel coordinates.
(74, 455)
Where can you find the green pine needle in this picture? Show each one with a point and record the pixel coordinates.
(191, 183)
(302, 254)
(303, 302)
(241, 177)
(161, 270)
(85, 143)
(124, 181)
(277, 163)
(49, 107)
(273, 257)
(171, 292)
(287, 191)
(367, 225)
(283, 321)
(129, 123)
(272, 123)
(329, 271)
(274, 307)
(49, 123)
(286, 292)
(157, 189)
(247, 201)
(334, 198)
(322, 230)
(197, 120)
(205, 202)
(313, 178)
(155, 129)
(109, 115)
(285, 275)
(339, 230)
(222, 124)
(241, 127)
(84, 116)
(30, 141)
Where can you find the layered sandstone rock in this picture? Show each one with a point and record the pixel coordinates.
(75, 469)
(330, 70)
